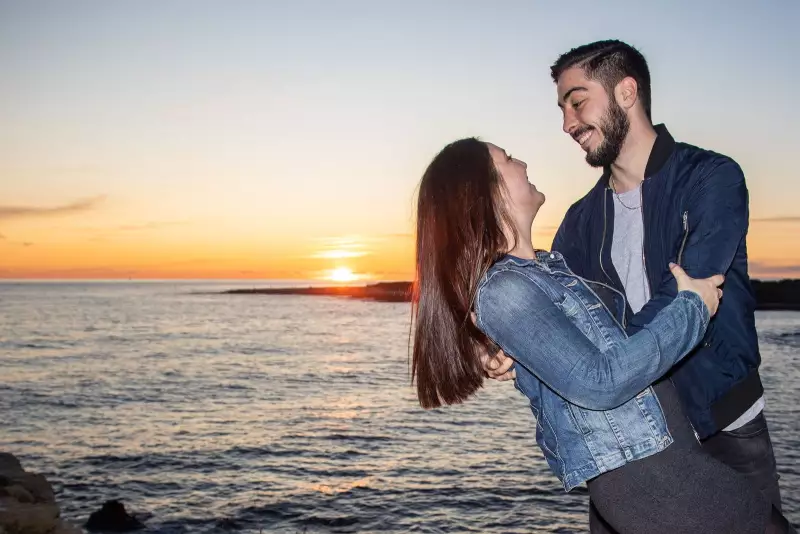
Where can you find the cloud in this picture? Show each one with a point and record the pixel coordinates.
(787, 219)
(764, 270)
(77, 273)
(18, 243)
(152, 225)
(87, 204)
(338, 254)
(192, 261)
(99, 234)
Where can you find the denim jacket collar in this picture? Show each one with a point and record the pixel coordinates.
(544, 260)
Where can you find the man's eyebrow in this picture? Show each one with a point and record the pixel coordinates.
(568, 93)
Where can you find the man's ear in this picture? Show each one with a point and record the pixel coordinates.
(626, 93)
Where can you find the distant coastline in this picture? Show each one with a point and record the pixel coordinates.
(777, 295)
(382, 291)
(770, 295)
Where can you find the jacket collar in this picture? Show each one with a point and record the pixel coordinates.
(544, 260)
(662, 150)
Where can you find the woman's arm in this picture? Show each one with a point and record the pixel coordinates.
(520, 317)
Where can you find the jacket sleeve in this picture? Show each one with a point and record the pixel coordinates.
(716, 222)
(523, 320)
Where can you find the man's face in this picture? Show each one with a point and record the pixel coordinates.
(592, 117)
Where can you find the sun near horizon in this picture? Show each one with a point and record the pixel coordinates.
(342, 274)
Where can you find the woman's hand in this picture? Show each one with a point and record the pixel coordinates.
(707, 288)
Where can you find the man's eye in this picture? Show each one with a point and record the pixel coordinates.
(576, 105)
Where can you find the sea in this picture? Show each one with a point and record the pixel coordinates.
(205, 412)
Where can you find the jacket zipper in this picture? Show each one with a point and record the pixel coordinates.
(680, 262)
(685, 235)
(644, 237)
(603, 241)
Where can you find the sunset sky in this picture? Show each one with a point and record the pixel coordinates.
(245, 139)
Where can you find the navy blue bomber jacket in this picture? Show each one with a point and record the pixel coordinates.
(695, 210)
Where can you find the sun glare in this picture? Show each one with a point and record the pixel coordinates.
(342, 274)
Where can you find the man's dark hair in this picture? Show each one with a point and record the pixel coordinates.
(608, 62)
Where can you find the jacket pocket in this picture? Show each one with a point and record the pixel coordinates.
(579, 419)
(569, 305)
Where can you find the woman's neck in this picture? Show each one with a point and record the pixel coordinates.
(523, 247)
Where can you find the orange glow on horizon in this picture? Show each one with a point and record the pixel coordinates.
(185, 255)
(181, 252)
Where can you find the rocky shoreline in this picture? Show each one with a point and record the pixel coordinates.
(27, 502)
(28, 506)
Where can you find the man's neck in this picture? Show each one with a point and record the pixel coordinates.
(627, 172)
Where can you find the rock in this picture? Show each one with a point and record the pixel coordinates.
(38, 486)
(112, 517)
(18, 492)
(27, 502)
(28, 518)
(9, 465)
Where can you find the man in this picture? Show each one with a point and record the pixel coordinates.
(659, 201)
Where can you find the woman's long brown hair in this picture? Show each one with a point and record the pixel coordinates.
(460, 217)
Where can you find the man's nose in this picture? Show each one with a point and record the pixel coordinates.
(570, 122)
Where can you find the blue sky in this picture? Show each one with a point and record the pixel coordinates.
(257, 129)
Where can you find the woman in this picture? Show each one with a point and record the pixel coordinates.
(480, 285)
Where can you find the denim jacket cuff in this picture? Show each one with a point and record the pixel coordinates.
(697, 301)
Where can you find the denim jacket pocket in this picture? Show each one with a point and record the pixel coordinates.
(569, 305)
(579, 419)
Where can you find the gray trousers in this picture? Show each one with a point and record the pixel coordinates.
(683, 489)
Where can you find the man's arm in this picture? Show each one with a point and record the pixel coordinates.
(717, 220)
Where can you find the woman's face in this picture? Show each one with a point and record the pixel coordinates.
(521, 197)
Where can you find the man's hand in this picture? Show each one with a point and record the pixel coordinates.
(707, 288)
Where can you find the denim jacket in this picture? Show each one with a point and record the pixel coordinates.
(588, 383)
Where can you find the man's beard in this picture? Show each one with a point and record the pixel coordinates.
(614, 127)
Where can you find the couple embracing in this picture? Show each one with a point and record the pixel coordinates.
(633, 337)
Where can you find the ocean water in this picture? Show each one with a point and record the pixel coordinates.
(251, 413)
